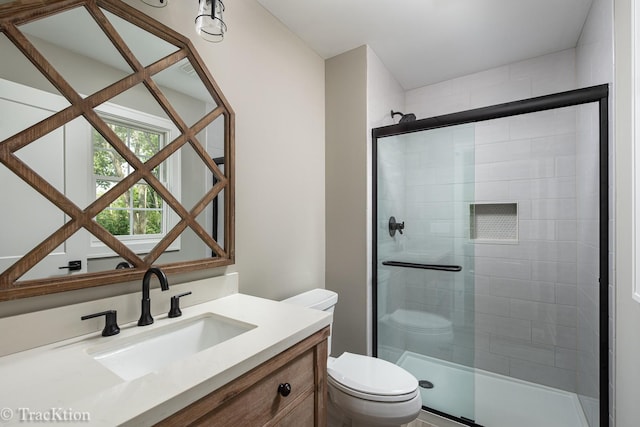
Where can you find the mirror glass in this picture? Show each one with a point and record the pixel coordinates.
(146, 163)
(68, 52)
(146, 47)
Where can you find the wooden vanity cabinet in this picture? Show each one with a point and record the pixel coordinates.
(254, 399)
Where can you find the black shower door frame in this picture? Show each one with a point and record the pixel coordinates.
(599, 94)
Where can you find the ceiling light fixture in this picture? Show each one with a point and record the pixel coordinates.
(156, 3)
(209, 23)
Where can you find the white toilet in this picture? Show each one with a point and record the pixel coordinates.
(363, 390)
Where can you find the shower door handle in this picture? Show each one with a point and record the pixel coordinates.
(439, 267)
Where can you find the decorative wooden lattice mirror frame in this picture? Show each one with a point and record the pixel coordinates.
(13, 15)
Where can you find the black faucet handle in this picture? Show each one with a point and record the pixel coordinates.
(175, 305)
(111, 322)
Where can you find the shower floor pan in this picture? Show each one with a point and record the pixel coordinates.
(492, 400)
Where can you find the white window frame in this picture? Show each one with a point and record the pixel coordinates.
(134, 118)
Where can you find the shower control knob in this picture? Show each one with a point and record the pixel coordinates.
(395, 226)
(284, 389)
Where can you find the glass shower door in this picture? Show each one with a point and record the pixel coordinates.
(424, 262)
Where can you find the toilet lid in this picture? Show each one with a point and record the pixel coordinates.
(420, 321)
(371, 378)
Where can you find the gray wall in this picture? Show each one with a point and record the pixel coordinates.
(360, 94)
(346, 200)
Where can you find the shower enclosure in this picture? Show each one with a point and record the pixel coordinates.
(491, 259)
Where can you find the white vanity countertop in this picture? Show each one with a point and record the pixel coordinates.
(62, 380)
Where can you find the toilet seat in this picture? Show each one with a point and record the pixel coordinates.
(371, 379)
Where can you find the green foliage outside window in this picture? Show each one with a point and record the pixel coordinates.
(139, 210)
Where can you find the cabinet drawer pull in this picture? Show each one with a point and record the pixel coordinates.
(284, 389)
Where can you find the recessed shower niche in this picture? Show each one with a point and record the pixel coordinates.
(493, 221)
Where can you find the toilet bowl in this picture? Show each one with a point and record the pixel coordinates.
(371, 392)
(363, 390)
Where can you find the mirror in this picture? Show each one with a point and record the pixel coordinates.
(116, 149)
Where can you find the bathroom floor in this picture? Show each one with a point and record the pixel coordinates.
(497, 400)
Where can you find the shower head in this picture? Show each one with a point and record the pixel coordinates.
(409, 117)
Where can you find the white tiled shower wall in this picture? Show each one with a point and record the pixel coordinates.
(514, 311)
(525, 299)
(525, 293)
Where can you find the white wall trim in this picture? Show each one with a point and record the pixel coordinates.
(635, 65)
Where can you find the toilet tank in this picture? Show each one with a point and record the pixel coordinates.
(318, 299)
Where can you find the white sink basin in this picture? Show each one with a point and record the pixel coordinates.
(136, 356)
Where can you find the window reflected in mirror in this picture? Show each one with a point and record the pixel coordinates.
(139, 210)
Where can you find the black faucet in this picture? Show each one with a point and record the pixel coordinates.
(145, 316)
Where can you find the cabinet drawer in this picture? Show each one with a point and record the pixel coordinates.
(253, 400)
(262, 402)
(301, 416)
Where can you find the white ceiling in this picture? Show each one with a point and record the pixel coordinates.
(427, 41)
